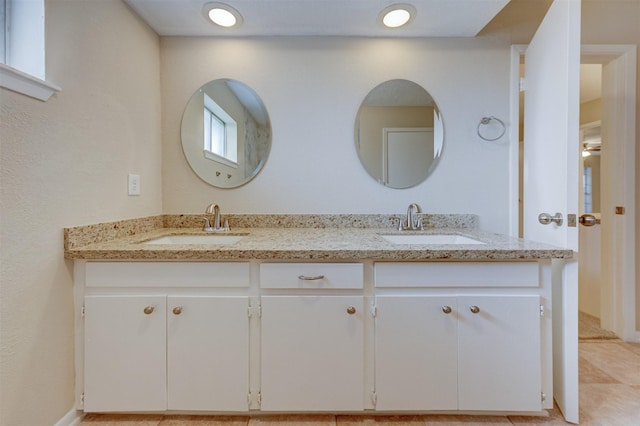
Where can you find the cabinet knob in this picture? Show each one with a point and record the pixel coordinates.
(351, 310)
(177, 310)
(474, 309)
(148, 310)
(446, 309)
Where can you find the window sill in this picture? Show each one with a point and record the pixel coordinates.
(26, 84)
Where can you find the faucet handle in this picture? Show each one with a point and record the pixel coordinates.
(207, 225)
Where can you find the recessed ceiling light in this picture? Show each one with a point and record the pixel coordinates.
(222, 15)
(397, 15)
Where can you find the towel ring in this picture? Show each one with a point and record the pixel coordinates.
(484, 121)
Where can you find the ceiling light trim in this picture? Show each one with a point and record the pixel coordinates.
(394, 8)
(209, 7)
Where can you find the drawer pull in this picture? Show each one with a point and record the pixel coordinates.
(148, 310)
(474, 309)
(351, 310)
(315, 278)
(177, 310)
(446, 309)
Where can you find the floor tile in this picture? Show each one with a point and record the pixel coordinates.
(293, 420)
(589, 373)
(205, 421)
(609, 404)
(438, 420)
(555, 417)
(633, 347)
(379, 421)
(95, 419)
(616, 359)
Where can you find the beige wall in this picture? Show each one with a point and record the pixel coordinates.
(617, 22)
(64, 162)
(312, 88)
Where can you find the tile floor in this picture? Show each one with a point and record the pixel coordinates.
(609, 396)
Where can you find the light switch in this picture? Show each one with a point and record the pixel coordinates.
(134, 184)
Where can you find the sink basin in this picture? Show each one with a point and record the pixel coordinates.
(430, 239)
(214, 239)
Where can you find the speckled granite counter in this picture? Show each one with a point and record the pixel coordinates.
(297, 237)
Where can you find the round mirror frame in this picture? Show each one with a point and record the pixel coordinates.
(245, 120)
(392, 122)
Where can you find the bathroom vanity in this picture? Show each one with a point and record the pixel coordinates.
(311, 319)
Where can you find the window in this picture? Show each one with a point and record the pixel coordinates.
(587, 183)
(22, 48)
(220, 134)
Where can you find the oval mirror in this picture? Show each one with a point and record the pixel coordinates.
(226, 133)
(399, 134)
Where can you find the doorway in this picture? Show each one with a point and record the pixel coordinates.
(618, 299)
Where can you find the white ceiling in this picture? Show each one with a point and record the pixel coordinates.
(434, 18)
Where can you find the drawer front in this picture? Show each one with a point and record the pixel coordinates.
(167, 274)
(457, 274)
(311, 275)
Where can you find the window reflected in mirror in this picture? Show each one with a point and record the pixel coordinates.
(226, 133)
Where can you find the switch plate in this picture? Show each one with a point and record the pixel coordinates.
(134, 184)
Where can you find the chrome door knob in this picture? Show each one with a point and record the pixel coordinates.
(546, 218)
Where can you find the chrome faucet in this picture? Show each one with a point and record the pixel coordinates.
(214, 210)
(411, 222)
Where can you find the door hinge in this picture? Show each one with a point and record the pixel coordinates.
(541, 310)
(82, 399)
(251, 311)
(543, 397)
(522, 84)
(373, 310)
(82, 313)
(374, 397)
(250, 399)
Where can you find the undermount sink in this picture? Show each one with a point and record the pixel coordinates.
(213, 239)
(430, 239)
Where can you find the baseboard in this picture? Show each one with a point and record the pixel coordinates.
(72, 418)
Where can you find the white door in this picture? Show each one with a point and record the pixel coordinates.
(124, 353)
(416, 353)
(552, 74)
(499, 365)
(407, 155)
(312, 353)
(207, 353)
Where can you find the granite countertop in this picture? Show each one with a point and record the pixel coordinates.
(293, 239)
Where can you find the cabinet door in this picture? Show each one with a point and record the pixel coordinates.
(124, 353)
(416, 353)
(208, 353)
(312, 353)
(499, 364)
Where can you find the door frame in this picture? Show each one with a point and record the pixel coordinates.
(618, 308)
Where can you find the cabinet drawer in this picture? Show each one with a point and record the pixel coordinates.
(457, 274)
(311, 275)
(167, 274)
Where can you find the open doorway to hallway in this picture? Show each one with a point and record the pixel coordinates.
(619, 305)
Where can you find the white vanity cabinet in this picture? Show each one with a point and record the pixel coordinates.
(444, 343)
(153, 342)
(312, 346)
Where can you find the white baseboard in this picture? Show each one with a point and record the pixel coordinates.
(72, 418)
